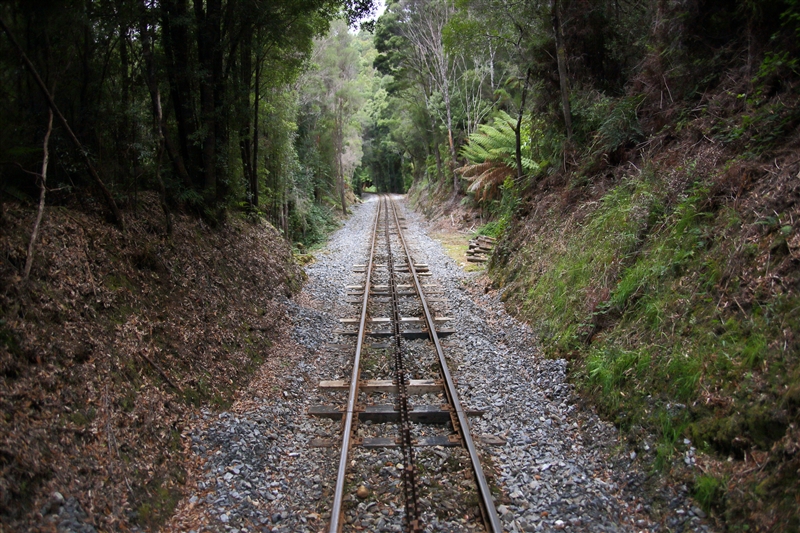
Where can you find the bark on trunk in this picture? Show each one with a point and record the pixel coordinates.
(561, 58)
(243, 105)
(339, 134)
(220, 131)
(159, 124)
(256, 97)
(124, 130)
(207, 17)
(437, 154)
(453, 157)
(176, 47)
(112, 205)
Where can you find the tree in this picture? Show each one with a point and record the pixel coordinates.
(406, 124)
(494, 155)
(330, 91)
(424, 28)
(142, 79)
(561, 59)
(55, 110)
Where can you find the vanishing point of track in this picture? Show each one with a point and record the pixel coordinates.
(391, 280)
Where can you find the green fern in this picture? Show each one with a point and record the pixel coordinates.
(491, 155)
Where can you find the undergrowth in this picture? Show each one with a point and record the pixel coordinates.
(661, 300)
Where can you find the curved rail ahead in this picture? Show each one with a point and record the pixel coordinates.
(459, 419)
(491, 518)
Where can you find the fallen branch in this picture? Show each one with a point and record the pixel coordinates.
(161, 372)
(42, 179)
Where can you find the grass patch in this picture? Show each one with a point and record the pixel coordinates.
(159, 499)
(455, 246)
(661, 299)
(494, 228)
(708, 491)
(576, 270)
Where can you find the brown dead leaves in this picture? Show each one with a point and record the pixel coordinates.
(112, 344)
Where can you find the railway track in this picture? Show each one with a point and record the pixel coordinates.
(402, 413)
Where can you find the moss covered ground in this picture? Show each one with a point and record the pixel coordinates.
(673, 291)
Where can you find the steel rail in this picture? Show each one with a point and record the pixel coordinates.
(350, 414)
(408, 473)
(491, 519)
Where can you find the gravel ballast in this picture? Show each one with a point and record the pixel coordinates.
(256, 469)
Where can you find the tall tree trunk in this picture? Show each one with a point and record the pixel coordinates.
(175, 43)
(243, 115)
(339, 140)
(206, 15)
(124, 131)
(285, 214)
(159, 124)
(436, 153)
(220, 124)
(124, 64)
(561, 57)
(256, 98)
(286, 217)
(492, 52)
(81, 119)
(175, 31)
(112, 205)
(453, 157)
(518, 128)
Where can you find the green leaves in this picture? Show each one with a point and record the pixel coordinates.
(491, 152)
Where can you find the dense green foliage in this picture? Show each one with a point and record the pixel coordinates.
(491, 157)
(635, 157)
(646, 237)
(198, 99)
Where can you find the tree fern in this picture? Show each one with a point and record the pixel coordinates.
(491, 156)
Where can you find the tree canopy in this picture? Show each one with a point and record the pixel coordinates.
(282, 107)
(199, 99)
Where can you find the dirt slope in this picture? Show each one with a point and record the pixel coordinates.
(116, 339)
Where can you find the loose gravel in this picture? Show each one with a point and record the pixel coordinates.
(257, 471)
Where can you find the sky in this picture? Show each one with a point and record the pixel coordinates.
(380, 8)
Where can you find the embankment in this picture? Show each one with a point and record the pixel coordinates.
(112, 344)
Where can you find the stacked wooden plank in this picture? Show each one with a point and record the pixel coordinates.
(480, 248)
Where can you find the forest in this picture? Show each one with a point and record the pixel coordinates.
(280, 108)
(636, 159)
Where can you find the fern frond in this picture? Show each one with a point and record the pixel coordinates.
(475, 170)
(487, 184)
(491, 155)
(529, 165)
